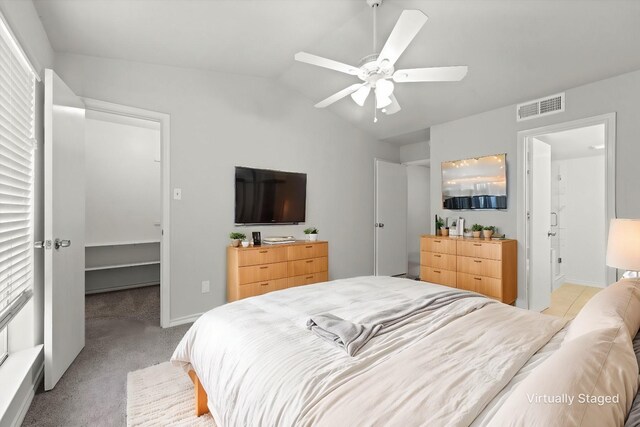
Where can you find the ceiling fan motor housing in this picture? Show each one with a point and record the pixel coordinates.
(371, 71)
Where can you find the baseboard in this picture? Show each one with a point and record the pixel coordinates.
(26, 403)
(184, 319)
(119, 288)
(584, 282)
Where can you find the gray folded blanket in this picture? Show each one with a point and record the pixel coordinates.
(351, 337)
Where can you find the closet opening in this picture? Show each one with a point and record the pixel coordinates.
(124, 251)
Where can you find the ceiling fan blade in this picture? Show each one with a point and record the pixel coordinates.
(339, 95)
(326, 63)
(408, 25)
(433, 74)
(392, 108)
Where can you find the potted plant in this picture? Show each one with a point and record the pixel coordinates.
(312, 234)
(476, 229)
(487, 232)
(236, 238)
(439, 225)
(444, 231)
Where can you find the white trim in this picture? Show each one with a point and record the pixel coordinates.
(609, 121)
(26, 63)
(165, 167)
(132, 242)
(583, 283)
(115, 266)
(120, 288)
(184, 319)
(26, 403)
(421, 162)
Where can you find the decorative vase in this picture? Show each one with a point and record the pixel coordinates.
(487, 233)
(235, 242)
(312, 237)
(476, 234)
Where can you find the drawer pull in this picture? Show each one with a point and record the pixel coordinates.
(309, 261)
(309, 247)
(477, 278)
(309, 277)
(436, 271)
(475, 260)
(438, 256)
(264, 284)
(264, 252)
(437, 241)
(264, 268)
(477, 244)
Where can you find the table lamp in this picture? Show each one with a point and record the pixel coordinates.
(623, 246)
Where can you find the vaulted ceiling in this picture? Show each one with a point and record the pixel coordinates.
(515, 49)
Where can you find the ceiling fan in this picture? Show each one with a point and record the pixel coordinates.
(377, 69)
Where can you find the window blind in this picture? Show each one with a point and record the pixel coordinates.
(17, 104)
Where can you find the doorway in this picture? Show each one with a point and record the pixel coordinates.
(390, 235)
(567, 201)
(127, 201)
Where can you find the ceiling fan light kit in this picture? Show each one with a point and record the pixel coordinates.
(377, 70)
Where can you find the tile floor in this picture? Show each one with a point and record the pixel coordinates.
(568, 299)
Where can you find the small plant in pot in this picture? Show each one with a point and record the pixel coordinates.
(476, 229)
(312, 234)
(444, 231)
(439, 226)
(236, 238)
(488, 231)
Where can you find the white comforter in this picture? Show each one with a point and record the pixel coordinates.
(260, 366)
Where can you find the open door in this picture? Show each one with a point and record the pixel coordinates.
(64, 217)
(539, 216)
(391, 257)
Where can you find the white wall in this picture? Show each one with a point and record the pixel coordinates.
(418, 214)
(123, 182)
(581, 220)
(415, 151)
(219, 121)
(496, 132)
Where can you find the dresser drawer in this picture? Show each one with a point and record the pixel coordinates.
(261, 273)
(312, 250)
(434, 244)
(439, 276)
(480, 249)
(261, 255)
(480, 266)
(308, 266)
(259, 288)
(483, 285)
(307, 279)
(436, 260)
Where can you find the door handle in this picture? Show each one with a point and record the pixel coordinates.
(381, 225)
(42, 244)
(551, 234)
(58, 243)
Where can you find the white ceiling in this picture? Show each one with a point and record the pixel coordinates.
(515, 49)
(575, 143)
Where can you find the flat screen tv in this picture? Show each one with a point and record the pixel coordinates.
(270, 197)
(477, 183)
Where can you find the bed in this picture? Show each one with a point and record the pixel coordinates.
(471, 362)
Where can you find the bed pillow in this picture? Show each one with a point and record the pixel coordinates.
(633, 419)
(599, 365)
(618, 301)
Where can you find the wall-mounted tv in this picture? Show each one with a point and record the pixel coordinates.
(477, 183)
(270, 197)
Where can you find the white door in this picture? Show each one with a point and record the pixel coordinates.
(64, 195)
(390, 219)
(540, 282)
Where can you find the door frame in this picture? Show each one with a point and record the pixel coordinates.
(609, 122)
(165, 177)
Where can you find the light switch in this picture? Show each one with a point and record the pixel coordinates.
(177, 194)
(205, 286)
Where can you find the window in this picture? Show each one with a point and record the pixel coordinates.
(17, 103)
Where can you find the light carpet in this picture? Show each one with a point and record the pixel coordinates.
(162, 395)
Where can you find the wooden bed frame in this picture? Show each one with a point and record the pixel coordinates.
(199, 394)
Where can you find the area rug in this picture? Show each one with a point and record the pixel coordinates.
(162, 395)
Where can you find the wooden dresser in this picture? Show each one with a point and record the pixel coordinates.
(489, 267)
(260, 269)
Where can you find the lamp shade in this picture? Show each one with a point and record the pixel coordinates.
(623, 246)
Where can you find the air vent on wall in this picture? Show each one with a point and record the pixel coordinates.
(540, 107)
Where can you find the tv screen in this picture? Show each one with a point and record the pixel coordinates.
(270, 197)
(477, 183)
